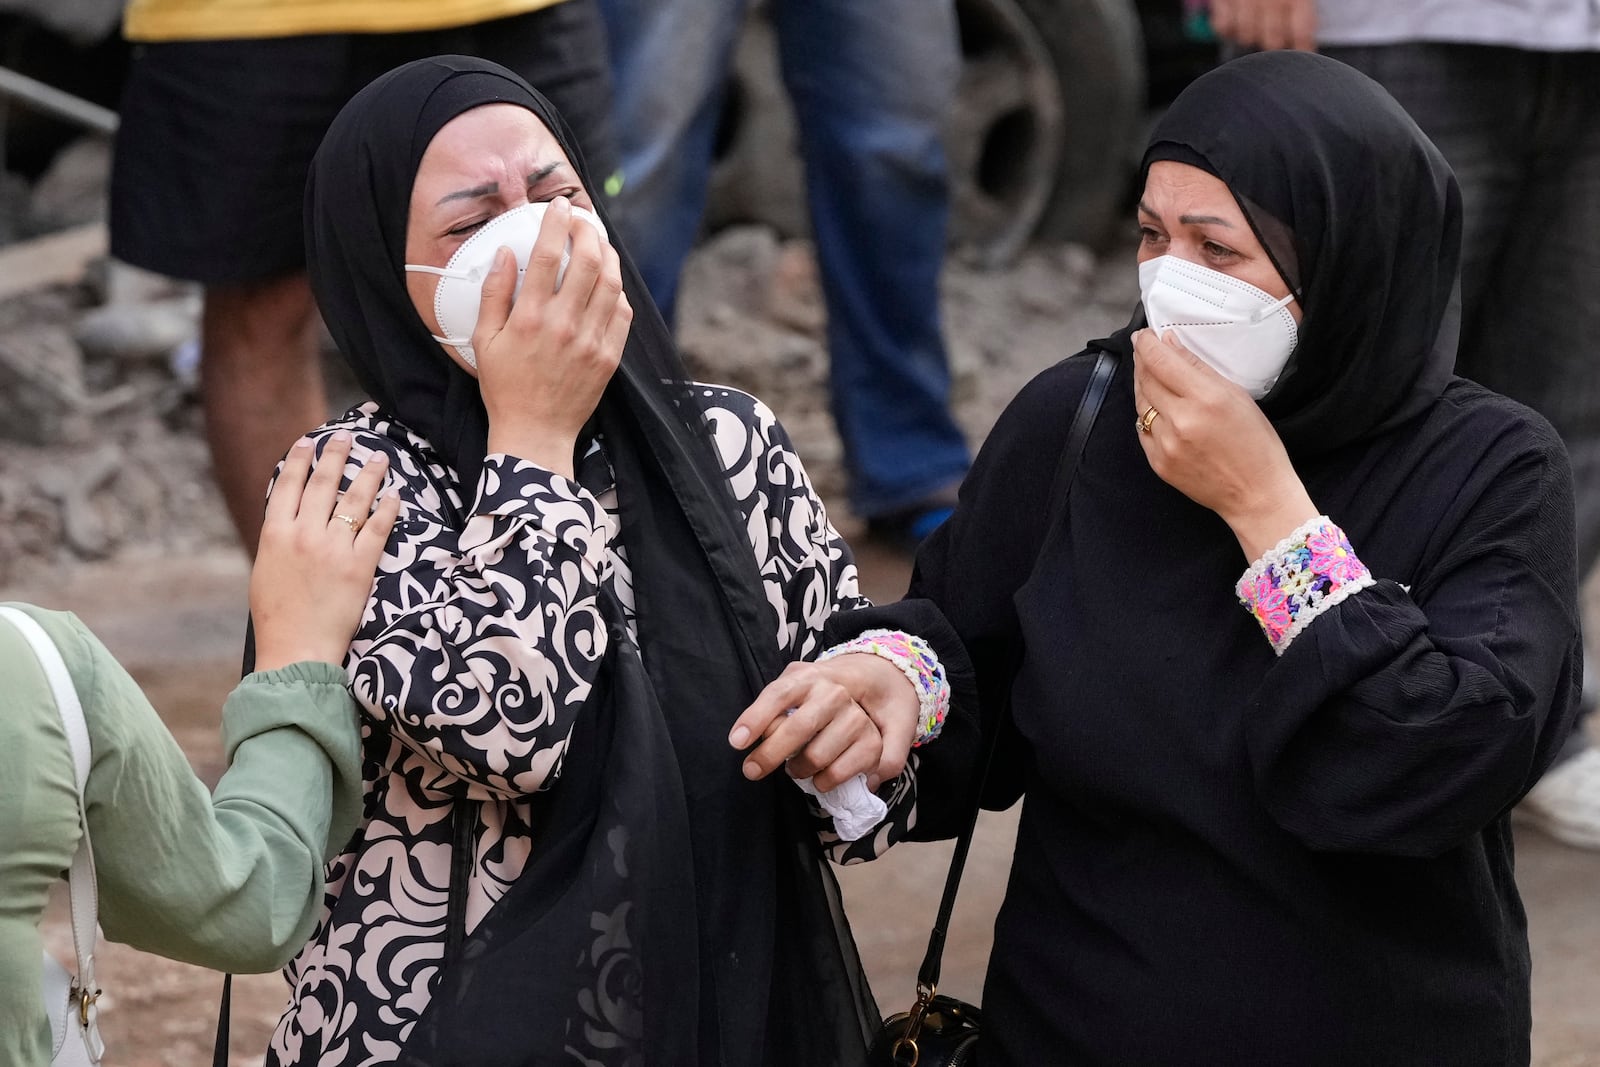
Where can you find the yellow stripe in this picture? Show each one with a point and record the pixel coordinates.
(207, 20)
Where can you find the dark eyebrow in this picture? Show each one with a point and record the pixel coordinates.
(544, 172)
(488, 189)
(1190, 220)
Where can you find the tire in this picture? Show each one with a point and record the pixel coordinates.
(1054, 152)
(1048, 117)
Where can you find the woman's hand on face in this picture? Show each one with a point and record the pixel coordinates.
(313, 571)
(545, 358)
(1210, 441)
(830, 721)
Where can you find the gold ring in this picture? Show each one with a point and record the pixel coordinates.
(354, 524)
(1148, 419)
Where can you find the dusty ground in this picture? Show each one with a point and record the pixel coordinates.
(172, 608)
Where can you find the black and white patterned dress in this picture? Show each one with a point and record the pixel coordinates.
(475, 653)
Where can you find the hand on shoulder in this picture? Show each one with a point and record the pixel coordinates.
(319, 551)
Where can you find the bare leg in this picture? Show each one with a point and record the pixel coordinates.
(261, 386)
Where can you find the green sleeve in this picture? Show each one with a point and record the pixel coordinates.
(232, 881)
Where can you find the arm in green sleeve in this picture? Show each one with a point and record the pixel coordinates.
(232, 881)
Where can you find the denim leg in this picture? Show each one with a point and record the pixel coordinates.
(1518, 129)
(669, 62)
(871, 82)
(1541, 311)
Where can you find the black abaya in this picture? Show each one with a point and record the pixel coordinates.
(1227, 857)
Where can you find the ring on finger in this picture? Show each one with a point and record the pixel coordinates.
(354, 523)
(1148, 419)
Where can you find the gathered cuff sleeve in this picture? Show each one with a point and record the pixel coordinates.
(1309, 572)
(309, 697)
(909, 815)
(513, 492)
(915, 659)
(481, 644)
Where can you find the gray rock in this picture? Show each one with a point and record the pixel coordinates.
(733, 268)
(72, 191)
(794, 294)
(112, 281)
(91, 530)
(137, 332)
(42, 399)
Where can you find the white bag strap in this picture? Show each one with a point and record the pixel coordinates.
(80, 876)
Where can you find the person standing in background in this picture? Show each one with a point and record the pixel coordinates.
(871, 84)
(1508, 93)
(225, 104)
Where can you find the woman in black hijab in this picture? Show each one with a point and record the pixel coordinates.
(1275, 835)
(597, 568)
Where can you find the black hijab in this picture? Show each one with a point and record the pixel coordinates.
(1329, 169)
(672, 913)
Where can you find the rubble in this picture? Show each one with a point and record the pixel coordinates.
(42, 399)
(101, 451)
(73, 191)
(131, 332)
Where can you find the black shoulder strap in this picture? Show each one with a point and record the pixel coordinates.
(219, 1054)
(1077, 436)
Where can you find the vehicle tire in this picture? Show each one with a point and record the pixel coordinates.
(1049, 118)
(1042, 139)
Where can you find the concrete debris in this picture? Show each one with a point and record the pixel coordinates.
(101, 454)
(731, 272)
(73, 190)
(55, 259)
(42, 399)
(111, 281)
(130, 332)
(794, 294)
(89, 526)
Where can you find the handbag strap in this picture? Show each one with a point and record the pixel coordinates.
(80, 875)
(1094, 393)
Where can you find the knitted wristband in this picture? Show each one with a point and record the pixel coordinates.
(920, 666)
(1308, 572)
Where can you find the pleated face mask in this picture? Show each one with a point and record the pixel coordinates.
(456, 302)
(1241, 332)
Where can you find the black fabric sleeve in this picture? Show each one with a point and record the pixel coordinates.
(1403, 722)
(968, 572)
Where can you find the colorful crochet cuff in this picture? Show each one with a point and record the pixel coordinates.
(1308, 572)
(918, 663)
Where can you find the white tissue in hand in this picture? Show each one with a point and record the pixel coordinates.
(855, 809)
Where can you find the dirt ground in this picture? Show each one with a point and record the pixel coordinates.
(173, 612)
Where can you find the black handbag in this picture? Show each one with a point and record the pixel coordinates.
(942, 1031)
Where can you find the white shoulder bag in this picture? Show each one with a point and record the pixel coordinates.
(70, 1002)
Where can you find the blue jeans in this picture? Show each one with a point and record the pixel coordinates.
(1520, 131)
(871, 82)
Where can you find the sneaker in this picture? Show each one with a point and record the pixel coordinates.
(1566, 802)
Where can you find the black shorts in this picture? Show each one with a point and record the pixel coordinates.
(209, 174)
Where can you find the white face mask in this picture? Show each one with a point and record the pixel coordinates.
(456, 302)
(1242, 333)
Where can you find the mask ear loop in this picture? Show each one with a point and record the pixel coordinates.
(1271, 309)
(442, 272)
(456, 343)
